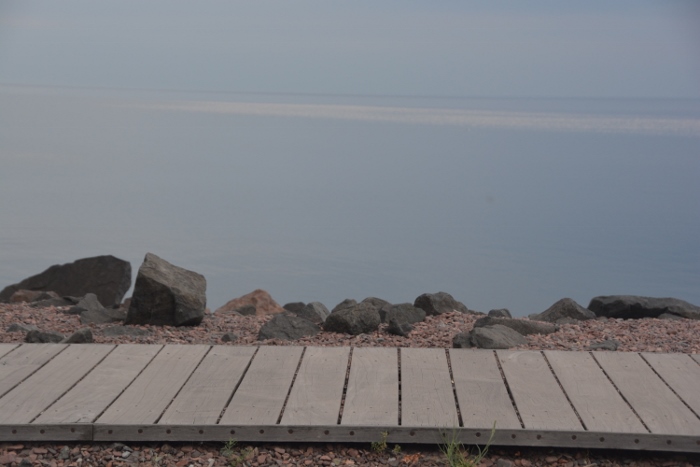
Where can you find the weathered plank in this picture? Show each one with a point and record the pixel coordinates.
(39, 391)
(426, 389)
(596, 400)
(203, 398)
(24, 361)
(481, 392)
(537, 395)
(372, 396)
(261, 395)
(5, 348)
(696, 357)
(318, 388)
(681, 373)
(659, 408)
(84, 402)
(146, 398)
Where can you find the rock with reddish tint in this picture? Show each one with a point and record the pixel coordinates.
(41, 337)
(358, 319)
(564, 311)
(439, 303)
(260, 299)
(29, 296)
(521, 326)
(287, 326)
(167, 295)
(636, 307)
(106, 276)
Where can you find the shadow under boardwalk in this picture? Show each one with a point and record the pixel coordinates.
(131, 392)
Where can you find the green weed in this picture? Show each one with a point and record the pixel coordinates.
(455, 451)
(380, 446)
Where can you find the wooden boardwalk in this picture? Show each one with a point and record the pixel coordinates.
(135, 392)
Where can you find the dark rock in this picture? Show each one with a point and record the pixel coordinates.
(28, 296)
(165, 294)
(439, 303)
(17, 327)
(81, 336)
(294, 306)
(670, 316)
(55, 302)
(563, 312)
(229, 337)
(260, 299)
(521, 326)
(106, 276)
(610, 344)
(496, 337)
(635, 307)
(463, 340)
(117, 331)
(91, 311)
(246, 310)
(41, 337)
(359, 319)
(500, 313)
(347, 303)
(403, 313)
(398, 327)
(287, 326)
(316, 312)
(377, 302)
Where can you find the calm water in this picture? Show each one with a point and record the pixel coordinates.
(503, 203)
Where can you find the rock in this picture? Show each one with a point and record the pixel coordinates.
(439, 303)
(17, 327)
(106, 276)
(167, 295)
(246, 310)
(563, 312)
(635, 307)
(670, 316)
(610, 344)
(260, 299)
(81, 336)
(398, 327)
(347, 303)
(403, 313)
(358, 319)
(521, 326)
(41, 337)
(377, 302)
(316, 312)
(500, 313)
(91, 311)
(25, 296)
(287, 326)
(229, 337)
(294, 306)
(463, 340)
(116, 331)
(56, 302)
(496, 337)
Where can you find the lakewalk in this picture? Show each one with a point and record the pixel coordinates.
(133, 392)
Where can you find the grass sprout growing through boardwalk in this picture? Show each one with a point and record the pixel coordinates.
(380, 446)
(454, 451)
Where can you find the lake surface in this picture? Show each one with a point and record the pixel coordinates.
(504, 203)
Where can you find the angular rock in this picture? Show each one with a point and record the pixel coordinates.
(118, 330)
(81, 336)
(403, 313)
(439, 303)
(521, 326)
(167, 295)
(106, 276)
(347, 303)
(316, 312)
(399, 328)
(294, 306)
(260, 299)
(358, 319)
(91, 311)
(17, 327)
(229, 337)
(610, 344)
(636, 307)
(288, 327)
(29, 296)
(500, 313)
(463, 340)
(377, 302)
(563, 312)
(246, 310)
(496, 337)
(41, 337)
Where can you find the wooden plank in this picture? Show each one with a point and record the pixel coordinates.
(538, 397)
(40, 390)
(261, 395)
(372, 396)
(5, 348)
(659, 408)
(481, 392)
(681, 373)
(318, 388)
(596, 400)
(146, 398)
(426, 389)
(205, 395)
(24, 361)
(696, 357)
(101, 387)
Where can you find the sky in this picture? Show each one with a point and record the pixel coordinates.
(499, 48)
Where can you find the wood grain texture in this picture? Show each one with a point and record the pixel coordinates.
(538, 397)
(596, 400)
(204, 397)
(261, 395)
(318, 388)
(481, 392)
(372, 396)
(5, 348)
(681, 373)
(24, 361)
(147, 397)
(656, 404)
(39, 391)
(426, 389)
(89, 398)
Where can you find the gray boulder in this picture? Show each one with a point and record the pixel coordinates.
(439, 303)
(359, 319)
(316, 312)
(378, 303)
(635, 307)
(81, 336)
(404, 313)
(521, 326)
(564, 311)
(500, 313)
(489, 337)
(42, 337)
(287, 326)
(119, 330)
(167, 295)
(106, 276)
(347, 303)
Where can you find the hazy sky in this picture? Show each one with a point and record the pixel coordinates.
(592, 48)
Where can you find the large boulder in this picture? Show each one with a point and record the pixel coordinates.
(521, 326)
(489, 337)
(167, 295)
(564, 311)
(287, 326)
(359, 319)
(635, 307)
(316, 312)
(106, 276)
(404, 313)
(347, 303)
(260, 299)
(439, 303)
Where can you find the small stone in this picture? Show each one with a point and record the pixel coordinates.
(125, 454)
(229, 337)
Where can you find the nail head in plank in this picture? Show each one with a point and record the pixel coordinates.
(372, 396)
(40, 390)
(656, 404)
(91, 396)
(426, 389)
(681, 373)
(538, 397)
(318, 387)
(261, 395)
(24, 361)
(481, 392)
(596, 400)
(5, 348)
(207, 392)
(146, 398)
